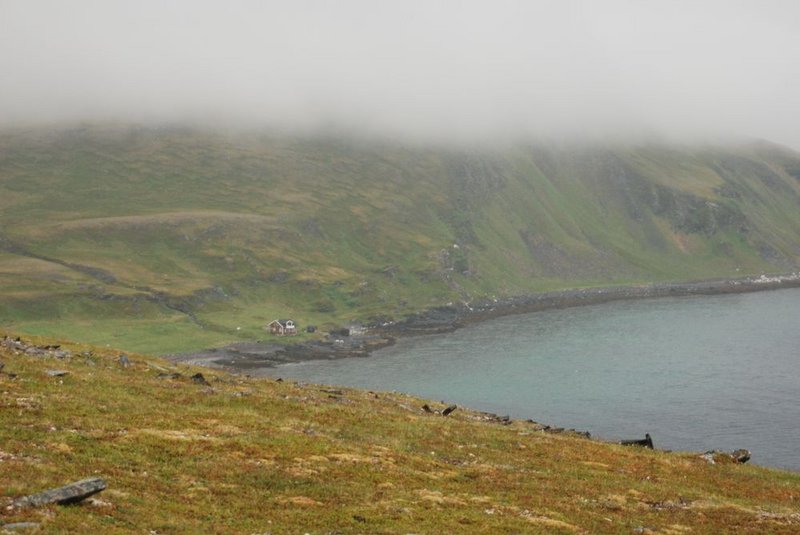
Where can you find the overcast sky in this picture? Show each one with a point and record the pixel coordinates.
(442, 69)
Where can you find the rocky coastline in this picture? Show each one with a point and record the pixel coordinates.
(250, 357)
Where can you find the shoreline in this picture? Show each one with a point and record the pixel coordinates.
(248, 357)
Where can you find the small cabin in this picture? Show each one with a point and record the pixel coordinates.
(282, 327)
(356, 329)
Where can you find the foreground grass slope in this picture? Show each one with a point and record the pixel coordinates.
(168, 239)
(245, 455)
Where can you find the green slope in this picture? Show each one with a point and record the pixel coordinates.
(169, 239)
(245, 455)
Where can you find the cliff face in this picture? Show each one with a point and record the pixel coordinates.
(178, 231)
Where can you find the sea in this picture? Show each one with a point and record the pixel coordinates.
(696, 373)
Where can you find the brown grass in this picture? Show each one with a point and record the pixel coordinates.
(248, 455)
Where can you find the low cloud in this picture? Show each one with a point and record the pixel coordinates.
(464, 70)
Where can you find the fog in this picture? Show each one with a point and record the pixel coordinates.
(460, 70)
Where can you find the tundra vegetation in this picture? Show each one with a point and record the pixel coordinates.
(232, 454)
(174, 239)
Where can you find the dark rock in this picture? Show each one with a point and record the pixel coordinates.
(491, 417)
(427, 408)
(740, 456)
(504, 420)
(72, 493)
(737, 456)
(199, 379)
(260, 355)
(56, 373)
(646, 442)
(449, 409)
(311, 329)
(124, 361)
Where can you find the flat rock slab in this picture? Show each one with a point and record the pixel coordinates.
(19, 526)
(72, 493)
(165, 375)
(57, 373)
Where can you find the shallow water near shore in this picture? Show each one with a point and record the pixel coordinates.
(697, 373)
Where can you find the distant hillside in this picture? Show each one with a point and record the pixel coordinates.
(168, 239)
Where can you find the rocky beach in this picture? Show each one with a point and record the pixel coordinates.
(382, 332)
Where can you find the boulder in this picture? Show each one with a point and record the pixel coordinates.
(645, 442)
(740, 456)
(449, 409)
(199, 379)
(72, 493)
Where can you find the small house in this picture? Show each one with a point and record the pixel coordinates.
(356, 329)
(282, 327)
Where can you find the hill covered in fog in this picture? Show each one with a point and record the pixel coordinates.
(166, 239)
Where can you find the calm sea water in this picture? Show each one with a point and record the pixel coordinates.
(697, 373)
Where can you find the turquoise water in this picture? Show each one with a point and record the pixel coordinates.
(697, 373)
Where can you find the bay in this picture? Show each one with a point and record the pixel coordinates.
(697, 373)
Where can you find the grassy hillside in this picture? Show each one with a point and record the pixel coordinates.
(244, 455)
(170, 239)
